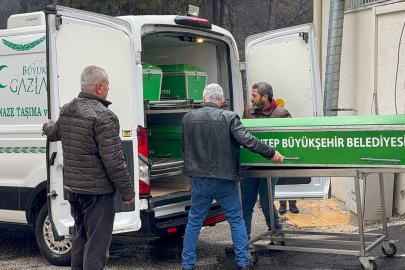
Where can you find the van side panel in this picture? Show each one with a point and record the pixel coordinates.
(23, 110)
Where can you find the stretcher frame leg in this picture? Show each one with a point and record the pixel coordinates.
(367, 261)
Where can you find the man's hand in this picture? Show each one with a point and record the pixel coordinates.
(43, 133)
(277, 157)
(130, 201)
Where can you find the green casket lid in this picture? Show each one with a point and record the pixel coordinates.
(146, 66)
(164, 129)
(180, 68)
(358, 120)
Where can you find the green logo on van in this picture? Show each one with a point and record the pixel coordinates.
(1, 67)
(24, 47)
(22, 150)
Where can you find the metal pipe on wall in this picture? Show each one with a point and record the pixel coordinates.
(333, 57)
(318, 30)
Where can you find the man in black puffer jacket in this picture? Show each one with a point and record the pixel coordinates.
(94, 167)
(211, 140)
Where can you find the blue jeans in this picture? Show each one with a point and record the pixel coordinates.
(225, 192)
(250, 188)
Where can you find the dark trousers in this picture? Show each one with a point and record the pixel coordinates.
(92, 232)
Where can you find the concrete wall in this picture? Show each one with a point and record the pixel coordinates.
(371, 37)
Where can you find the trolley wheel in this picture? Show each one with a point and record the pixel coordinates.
(253, 257)
(373, 266)
(391, 251)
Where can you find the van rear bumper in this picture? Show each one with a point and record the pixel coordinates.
(173, 225)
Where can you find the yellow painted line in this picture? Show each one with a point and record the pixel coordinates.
(319, 209)
(331, 202)
(319, 213)
(334, 218)
(306, 203)
(306, 220)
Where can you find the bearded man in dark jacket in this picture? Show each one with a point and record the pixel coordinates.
(94, 167)
(263, 106)
(211, 140)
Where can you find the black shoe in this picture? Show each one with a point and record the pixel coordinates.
(188, 268)
(229, 249)
(294, 209)
(283, 209)
(253, 260)
(245, 267)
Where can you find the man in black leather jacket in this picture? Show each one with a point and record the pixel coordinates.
(211, 140)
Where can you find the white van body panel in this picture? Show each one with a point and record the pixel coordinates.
(287, 60)
(23, 110)
(71, 49)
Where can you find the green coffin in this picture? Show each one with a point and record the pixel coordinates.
(347, 141)
(183, 82)
(165, 141)
(152, 81)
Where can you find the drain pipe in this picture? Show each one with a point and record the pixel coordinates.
(318, 30)
(333, 57)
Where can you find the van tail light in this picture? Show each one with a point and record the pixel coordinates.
(144, 188)
(193, 21)
(143, 146)
(172, 230)
(143, 153)
(210, 221)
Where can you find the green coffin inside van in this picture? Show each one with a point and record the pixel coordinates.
(183, 82)
(164, 141)
(152, 81)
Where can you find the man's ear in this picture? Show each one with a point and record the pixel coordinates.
(265, 97)
(98, 88)
(223, 101)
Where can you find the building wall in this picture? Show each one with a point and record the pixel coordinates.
(371, 37)
(389, 31)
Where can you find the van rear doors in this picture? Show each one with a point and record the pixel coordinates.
(287, 60)
(76, 39)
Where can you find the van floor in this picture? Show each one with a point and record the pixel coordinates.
(162, 188)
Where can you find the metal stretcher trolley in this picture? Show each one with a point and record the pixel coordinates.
(353, 146)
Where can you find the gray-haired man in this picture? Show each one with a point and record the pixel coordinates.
(94, 168)
(211, 139)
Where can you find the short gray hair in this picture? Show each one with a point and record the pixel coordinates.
(91, 76)
(213, 92)
(264, 88)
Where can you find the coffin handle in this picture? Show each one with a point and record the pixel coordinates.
(381, 160)
(292, 158)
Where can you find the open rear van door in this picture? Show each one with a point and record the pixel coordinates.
(76, 39)
(287, 60)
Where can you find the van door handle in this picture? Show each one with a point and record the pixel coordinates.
(52, 194)
(52, 159)
(381, 160)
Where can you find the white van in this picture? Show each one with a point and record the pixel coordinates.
(41, 57)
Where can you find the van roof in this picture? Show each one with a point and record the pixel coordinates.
(26, 20)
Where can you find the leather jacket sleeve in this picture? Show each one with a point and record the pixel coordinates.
(244, 138)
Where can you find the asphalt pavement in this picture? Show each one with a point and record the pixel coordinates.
(18, 250)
